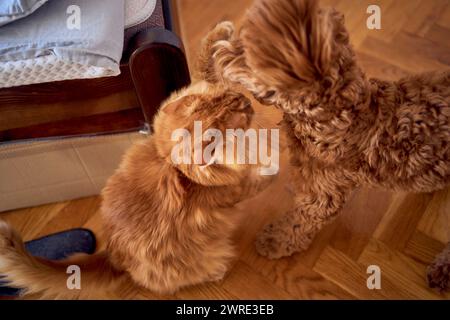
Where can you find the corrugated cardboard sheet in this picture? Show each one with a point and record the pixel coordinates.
(35, 173)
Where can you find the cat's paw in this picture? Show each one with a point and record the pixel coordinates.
(276, 241)
(218, 277)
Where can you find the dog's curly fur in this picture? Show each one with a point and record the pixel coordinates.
(438, 273)
(345, 130)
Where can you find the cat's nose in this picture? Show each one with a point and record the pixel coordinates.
(240, 102)
(246, 105)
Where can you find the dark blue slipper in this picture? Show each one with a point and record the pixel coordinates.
(56, 246)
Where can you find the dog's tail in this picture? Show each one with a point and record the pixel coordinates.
(292, 42)
(80, 276)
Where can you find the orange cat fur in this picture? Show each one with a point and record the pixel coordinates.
(168, 226)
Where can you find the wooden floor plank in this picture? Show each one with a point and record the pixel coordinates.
(206, 291)
(429, 11)
(422, 248)
(407, 274)
(244, 283)
(435, 222)
(359, 219)
(376, 68)
(395, 55)
(352, 276)
(401, 219)
(300, 281)
(395, 15)
(438, 34)
(31, 222)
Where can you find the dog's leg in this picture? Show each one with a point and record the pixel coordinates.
(228, 60)
(207, 70)
(317, 203)
(438, 273)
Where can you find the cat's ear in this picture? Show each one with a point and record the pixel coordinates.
(177, 105)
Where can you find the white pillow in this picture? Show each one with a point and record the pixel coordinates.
(11, 10)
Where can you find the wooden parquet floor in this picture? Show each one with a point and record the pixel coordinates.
(399, 232)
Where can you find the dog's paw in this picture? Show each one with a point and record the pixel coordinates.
(222, 31)
(219, 38)
(438, 273)
(275, 241)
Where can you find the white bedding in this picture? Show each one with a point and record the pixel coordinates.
(137, 11)
(51, 68)
(46, 69)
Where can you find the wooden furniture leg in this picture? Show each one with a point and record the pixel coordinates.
(160, 55)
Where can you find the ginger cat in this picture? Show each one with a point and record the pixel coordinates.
(168, 225)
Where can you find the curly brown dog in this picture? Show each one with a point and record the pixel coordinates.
(345, 130)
